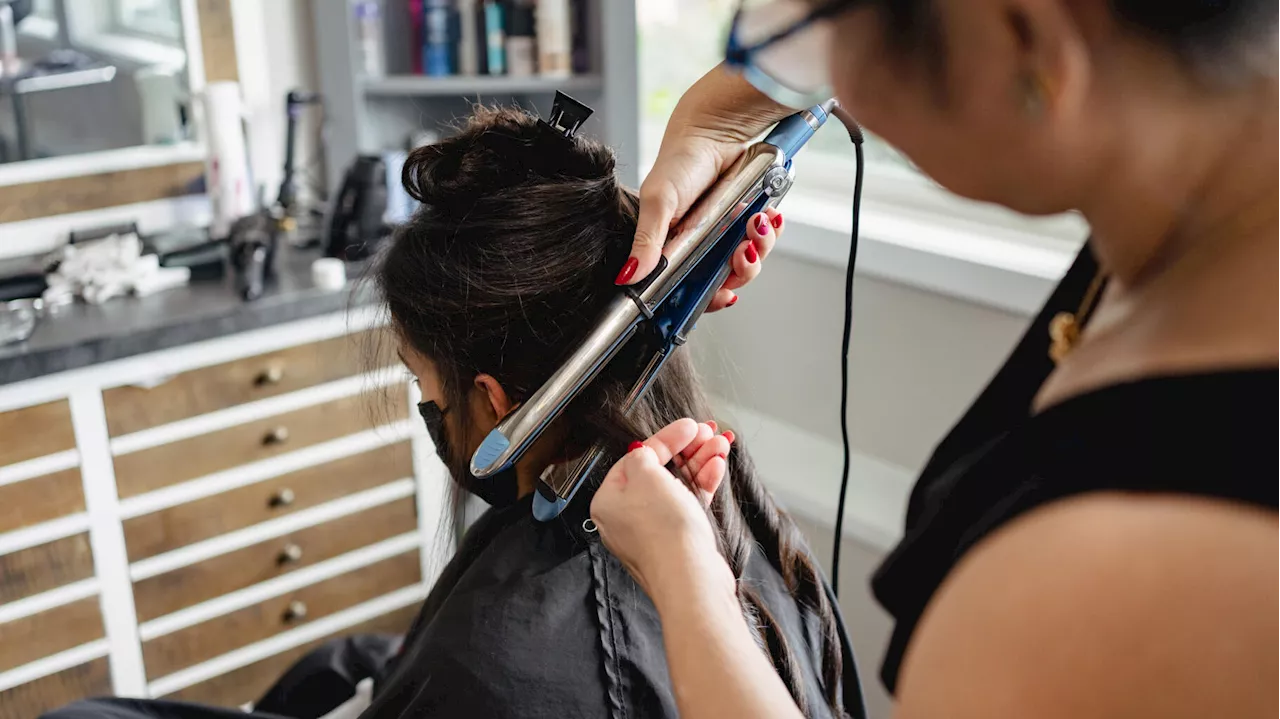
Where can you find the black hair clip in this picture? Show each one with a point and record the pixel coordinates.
(567, 115)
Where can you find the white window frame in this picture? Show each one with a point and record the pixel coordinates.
(916, 233)
(167, 32)
(913, 232)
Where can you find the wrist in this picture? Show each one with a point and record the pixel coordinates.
(696, 577)
(724, 107)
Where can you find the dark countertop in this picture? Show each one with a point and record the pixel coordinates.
(80, 335)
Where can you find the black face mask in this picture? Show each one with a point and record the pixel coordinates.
(499, 490)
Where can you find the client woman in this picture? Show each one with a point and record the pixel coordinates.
(489, 287)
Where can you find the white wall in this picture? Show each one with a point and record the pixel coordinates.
(917, 358)
(868, 625)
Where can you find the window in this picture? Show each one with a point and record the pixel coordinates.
(44, 9)
(152, 19)
(42, 22)
(680, 40)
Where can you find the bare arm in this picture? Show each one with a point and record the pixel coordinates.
(660, 532)
(1107, 606)
(717, 670)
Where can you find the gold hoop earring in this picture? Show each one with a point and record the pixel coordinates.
(1034, 94)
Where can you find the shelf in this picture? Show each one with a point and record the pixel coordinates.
(423, 86)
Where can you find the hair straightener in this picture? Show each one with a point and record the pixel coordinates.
(663, 307)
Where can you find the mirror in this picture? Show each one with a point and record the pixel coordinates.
(84, 76)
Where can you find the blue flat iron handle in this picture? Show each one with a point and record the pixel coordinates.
(794, 131)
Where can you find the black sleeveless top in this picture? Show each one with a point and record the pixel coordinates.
(1206, 434)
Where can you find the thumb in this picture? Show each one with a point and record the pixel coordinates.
(658, 204)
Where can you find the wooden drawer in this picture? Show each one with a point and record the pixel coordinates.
(149, 469)
(27, 639)
(33, 432)
(43, 567)
(185, 586)
(204, 641)
(168, 529)
(40, 499)
(55, 690)
(248, 683)
(130, 409)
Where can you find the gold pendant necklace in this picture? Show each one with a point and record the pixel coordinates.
(1065, 327)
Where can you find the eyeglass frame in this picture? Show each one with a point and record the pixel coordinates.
(740, 57)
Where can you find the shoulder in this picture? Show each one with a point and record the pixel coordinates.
(1105, 605)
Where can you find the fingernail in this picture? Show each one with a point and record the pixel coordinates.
(712, 424)
(752, 254)
(634, 446)
(628, 271)
(762, 226)
(729, 436)
(732, 301)
(776, 221)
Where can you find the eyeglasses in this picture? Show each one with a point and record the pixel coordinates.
(781, 47)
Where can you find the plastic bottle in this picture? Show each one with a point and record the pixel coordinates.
(469, 38)
(495, 38)
(369, 38)
(555, 49)
(440, 42)
(522, 58)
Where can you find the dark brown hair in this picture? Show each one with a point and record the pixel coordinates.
(1220, 42)
(503, 271)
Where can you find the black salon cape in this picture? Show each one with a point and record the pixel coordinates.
(540, 620)
(527, 620)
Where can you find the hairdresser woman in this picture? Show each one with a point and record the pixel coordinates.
(1097, 537)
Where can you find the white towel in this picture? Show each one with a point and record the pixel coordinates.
(113, 266)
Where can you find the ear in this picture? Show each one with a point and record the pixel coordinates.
(1052, 56)
(493, 397)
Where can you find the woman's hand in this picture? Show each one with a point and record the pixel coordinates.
(706, 133)
(652, 522)
(660, 531)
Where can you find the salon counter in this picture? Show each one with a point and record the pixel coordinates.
(195, 491)
(81, 335)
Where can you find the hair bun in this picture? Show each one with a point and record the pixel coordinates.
(499, 149)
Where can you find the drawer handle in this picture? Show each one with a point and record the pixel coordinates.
(295, 612)
(290, 554)
(283, 498)
(278, 435)
(269, 376)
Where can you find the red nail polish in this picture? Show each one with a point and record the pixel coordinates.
(762, 227)
(729, 436)
(712, 424)
(628, 271)
(634, 446)
(776, 221)
(732, 301)
(751, 253)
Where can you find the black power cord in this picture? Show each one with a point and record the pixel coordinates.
(855, 135)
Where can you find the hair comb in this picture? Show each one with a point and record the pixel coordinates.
(567, 115)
